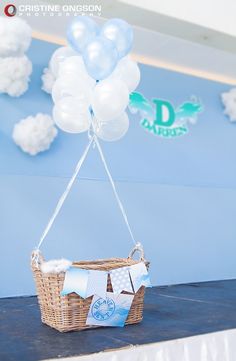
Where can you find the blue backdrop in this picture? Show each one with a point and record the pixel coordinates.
(179, 194)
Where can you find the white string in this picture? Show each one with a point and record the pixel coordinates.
(65, 194)
(114, 190)
(92, 140)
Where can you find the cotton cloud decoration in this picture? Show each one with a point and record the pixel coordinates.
(56, 266)
(15, 35)
(15, 67)
(51, 73)
(48, 80)
(35, 134)
(14, 75)
(229, 101)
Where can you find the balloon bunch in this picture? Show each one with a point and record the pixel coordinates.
(94, 78)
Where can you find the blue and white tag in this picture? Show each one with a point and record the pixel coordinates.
(112, 311)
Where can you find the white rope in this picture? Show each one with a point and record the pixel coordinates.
(65, 194)
(92, 140)
(114, 190)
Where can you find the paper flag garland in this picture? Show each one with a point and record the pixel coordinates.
(76, 280)
(97, 283)
(139, 276)
(112, 311)
(120, 280)
(88, 283)
(85, 283)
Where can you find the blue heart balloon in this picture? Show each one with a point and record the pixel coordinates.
(121, 33)
(81, 30)
(100, 57)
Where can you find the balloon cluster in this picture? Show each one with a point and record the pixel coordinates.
(94, 78)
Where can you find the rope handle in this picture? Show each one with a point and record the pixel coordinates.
(36, 259)
(137, 248)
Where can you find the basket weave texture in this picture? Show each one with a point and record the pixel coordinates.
(69, 313)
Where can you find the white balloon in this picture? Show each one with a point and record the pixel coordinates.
(112, 130)
(128, 71)
(72, 115)
(74, 65)
(72, 86)
(110, 98)
(58, 57)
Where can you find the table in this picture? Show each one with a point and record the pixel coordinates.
(197, 318)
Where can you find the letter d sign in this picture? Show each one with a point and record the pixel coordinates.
(163, 107)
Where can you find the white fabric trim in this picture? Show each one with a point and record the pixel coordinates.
(216, 346)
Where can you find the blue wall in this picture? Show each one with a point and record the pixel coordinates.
(180, 194)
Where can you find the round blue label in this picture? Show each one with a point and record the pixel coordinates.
(103, 309)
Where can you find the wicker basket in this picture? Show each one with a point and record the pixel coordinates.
(69, 313)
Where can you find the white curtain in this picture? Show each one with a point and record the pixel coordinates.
(217, 346)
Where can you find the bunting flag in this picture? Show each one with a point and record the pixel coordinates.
(111, 311)
(120, 280)
(97, 283)
(139, 276)
(87, 283)
(76, 280)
